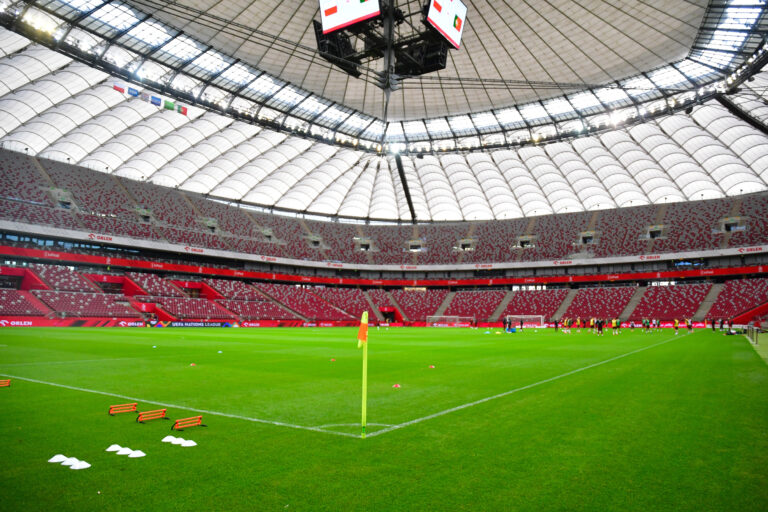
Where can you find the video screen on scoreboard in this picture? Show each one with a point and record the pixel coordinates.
(336, 14)
(448, 17)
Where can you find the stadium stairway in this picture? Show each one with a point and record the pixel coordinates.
(734, 210)
(42, 171)
(445, 304)
(42, 306)
(565, 305)
(332, 306)
(373, 309)
(633, 302)
(280, 304)
(501, 307)
(398, 306)
(708, 301)
(225, 311)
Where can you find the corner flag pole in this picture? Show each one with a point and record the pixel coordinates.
(362, 341)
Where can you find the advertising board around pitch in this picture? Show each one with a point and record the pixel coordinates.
(337, 14)
(448, 17)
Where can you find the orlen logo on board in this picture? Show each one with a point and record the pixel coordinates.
(51, 254)
(16, 323)
(94, 236)
(193, 249)
(651, 257)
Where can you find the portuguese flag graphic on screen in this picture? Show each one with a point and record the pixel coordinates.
(457, 23)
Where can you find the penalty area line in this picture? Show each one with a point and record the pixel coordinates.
(183, 407)
(512, 391)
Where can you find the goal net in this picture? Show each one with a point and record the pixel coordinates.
(528, 320)
(450, 321)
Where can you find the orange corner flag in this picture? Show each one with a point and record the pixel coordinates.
(362, 334)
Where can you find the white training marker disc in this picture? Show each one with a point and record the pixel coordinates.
(113, 448)
(136, 454)
(69, 461)
(81, 464)
(188, 443)
(124, 451)
(169, 439)
(178, 440)
(58, 458)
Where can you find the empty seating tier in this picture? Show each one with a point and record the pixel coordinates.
(670, 302)
(600, 302)
(86, 304)
(739, 296)
(14, 302)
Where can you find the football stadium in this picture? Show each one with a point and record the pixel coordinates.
(384, 255)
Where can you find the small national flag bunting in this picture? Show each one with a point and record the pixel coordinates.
(169, 105)
(133, 92)
(331, 10)
(118, 88)
(181, 109)
(144, 96)
(457, 23)
(438, 7)
(155, 100)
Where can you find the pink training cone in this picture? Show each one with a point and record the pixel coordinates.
(333, 360)
(396, 386)
(192, 364)
(431, 366)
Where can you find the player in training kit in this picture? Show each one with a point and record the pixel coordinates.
(677, 324)
(592, 324)
(689, 325)
(599, 324)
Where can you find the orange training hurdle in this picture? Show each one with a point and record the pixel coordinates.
(117, 409)
(5, 383)
(151, 415)
(194, 421)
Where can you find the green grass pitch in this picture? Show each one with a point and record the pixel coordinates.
(637, 421)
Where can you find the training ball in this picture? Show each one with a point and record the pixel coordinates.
(154, 346)
(192, 364)
(431, 366)
(219, 351)
(333, 360)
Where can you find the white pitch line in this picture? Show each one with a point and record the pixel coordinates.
(184, 407)
(47, 363)
(354, 425)
(506, 393)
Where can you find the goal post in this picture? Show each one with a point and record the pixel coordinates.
(450, 321)
(528, 320)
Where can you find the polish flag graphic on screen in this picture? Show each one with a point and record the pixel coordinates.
(337, 14)
(447, 17)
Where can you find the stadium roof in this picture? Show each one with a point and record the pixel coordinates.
(300, 158)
